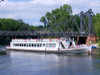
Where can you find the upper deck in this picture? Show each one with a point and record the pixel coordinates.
(43, 40)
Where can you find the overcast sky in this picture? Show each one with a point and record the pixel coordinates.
(30, 11)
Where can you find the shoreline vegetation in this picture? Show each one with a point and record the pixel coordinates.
(56, 16)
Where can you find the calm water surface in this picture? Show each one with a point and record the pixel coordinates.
(30, 63)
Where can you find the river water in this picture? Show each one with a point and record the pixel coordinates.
(30, 63)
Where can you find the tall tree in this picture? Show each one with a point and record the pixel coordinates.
(56, 16)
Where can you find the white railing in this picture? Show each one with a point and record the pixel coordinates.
(36, 40)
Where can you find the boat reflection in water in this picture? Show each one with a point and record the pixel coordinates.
(29, 63)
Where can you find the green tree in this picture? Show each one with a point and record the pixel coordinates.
(13, 25)
(56, 16)
(97, 24)
(43, 20)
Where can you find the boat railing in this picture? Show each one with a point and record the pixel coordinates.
(36, 40)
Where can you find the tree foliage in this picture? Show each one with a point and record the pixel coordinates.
(97, 24)
(15, 25)
(56, 16)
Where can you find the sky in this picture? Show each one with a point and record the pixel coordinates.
(30, 11)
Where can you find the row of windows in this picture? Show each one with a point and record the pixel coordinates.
(35, 45)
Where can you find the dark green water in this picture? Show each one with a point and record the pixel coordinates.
(30, 63)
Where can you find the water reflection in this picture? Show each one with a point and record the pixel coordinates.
(30, 63)
(4, 64)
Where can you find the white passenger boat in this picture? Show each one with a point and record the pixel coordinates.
(56, 45)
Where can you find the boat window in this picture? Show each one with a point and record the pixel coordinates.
(19, 44)
(43, 44)
(51, 45)
(15, 44)
(40, 45)
(33, 45)
(37, 45)
(24, 44)
(47, 45)
(29, 45)
(54, 45)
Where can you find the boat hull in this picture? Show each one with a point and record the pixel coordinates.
(64, 51)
